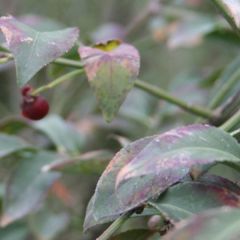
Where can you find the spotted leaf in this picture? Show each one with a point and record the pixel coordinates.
(146, 168)
(111, 70)
(169, 157)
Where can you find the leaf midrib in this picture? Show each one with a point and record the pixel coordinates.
(157, 206)
(171, 152)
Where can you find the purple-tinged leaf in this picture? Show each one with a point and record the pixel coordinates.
(111, 69)
(169, 157)
(146, 168)
(28, 186)
(192, 197)
(105, 191)
(33, 50)
(220, 223)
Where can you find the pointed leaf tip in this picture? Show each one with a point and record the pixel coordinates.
(33, 50)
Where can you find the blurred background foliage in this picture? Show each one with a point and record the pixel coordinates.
(184, 46)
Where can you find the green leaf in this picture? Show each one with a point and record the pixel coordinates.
(146, 168)
(111, 69)
(10, 144)
(13, 125)
(191, 197)
(105, 191)
(47, 225)
(218, 224)
(17, 231)
(64, 135)
(28, 186)
(169, 157)
(88, 163)
(33, 50)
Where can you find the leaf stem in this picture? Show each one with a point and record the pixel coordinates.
(231, 122)
(69, 62)
(235, 133)
(115, 226)
(162, 94)
(225, 89)
(57, 81)
(5, 57)
(227, 14)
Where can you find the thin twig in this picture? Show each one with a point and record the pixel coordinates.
(227, 109)
(227, 14)
(57, 81)
(115, 226)
(162, 94)
(225, 89)
(231, 122)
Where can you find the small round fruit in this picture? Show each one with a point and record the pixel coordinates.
(34, 107)
(26, 90)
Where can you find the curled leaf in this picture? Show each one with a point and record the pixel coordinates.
(221, 223)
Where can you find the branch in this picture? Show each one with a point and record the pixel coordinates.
(229, 13)
(57, 81)
(152, 8)
(231, 122)
(228, 109)
(162, 94)
(235, 133)
(115, 226)
(225, 89)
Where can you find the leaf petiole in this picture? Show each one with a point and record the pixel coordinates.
(115, 226)
(57, 81)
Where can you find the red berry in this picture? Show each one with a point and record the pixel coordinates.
(26, 90)
(34, 107)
